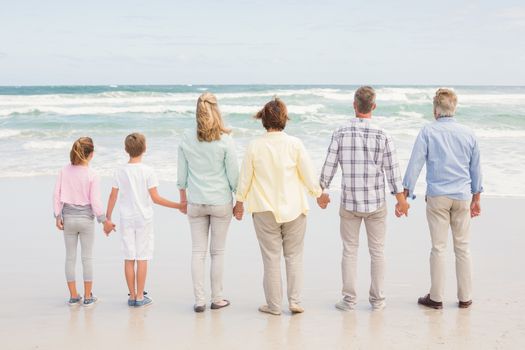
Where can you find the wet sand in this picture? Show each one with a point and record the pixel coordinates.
(34, 314)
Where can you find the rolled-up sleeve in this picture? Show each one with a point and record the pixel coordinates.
(391, 167)
(475, 170)
(182, 169)
(245, 176)
(416, 162)
(306, 172)
(330, 163)
(231, 164)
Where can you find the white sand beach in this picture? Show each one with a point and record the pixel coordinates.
(33, 313)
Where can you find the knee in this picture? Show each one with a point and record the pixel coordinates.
(376, 252)
(215, 252)
(461, 250)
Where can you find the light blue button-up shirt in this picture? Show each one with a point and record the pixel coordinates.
(208, 170)
(451, 153)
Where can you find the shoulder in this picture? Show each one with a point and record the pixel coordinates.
(146, 169)
(93, 175)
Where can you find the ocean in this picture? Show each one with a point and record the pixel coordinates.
(39, 124)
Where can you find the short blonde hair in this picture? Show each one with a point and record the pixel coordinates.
(135, 144)
(445, 102)
(365, 97)
(210, 125)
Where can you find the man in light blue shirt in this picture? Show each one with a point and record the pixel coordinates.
(451, 154)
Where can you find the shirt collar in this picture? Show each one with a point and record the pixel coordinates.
(446, 118)
(274, 133)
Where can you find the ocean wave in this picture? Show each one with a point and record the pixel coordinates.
(46, 144)
(7, 133)
(150, 109)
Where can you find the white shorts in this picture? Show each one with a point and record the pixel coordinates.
(137, 238)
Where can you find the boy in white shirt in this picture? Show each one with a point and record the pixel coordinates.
(137, 185)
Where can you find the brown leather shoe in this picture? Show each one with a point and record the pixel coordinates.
(426, 301)
(464, 304)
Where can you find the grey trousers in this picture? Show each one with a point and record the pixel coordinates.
(444, 213)
(208, 223)
(76, 228)
(274, 239)
(375, 223)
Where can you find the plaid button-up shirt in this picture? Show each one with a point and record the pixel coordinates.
(366, 154)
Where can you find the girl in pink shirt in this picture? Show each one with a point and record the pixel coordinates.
(76, 204)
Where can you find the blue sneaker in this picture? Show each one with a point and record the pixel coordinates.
(144, 302)
(131, 302)
(88, 302)
(74, 301)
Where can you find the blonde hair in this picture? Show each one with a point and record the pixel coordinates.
(210, 125)
(365, 97)
(135, 144)
(81, 150)
(445, 102)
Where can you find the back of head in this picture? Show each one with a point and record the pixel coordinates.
(274, 115)
(445, 102)
(210, 125)
(81, 150)
(364, 99)
(135, 144)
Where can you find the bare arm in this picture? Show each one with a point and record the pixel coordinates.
(111, 202)
(157, 199)
(183, 201)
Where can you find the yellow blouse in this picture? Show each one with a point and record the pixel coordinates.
(275, 172)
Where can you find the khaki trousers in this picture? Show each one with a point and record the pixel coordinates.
(375, 223)
(275, 238)
(442, 213)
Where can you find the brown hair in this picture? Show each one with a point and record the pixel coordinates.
(210, 126)
(81, 150)
(364, 98)
(135, 144)
(274, 115)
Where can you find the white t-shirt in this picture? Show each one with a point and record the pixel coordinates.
(133, 181)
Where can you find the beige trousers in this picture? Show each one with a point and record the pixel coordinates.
(275, 238)
(375, 223)
(442, 213)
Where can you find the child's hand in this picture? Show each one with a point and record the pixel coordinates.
(183, 207)
(60, 223)
(108, 227)
(238, 210)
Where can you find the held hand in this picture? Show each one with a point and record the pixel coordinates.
(108, 227)
(402, 208)
(323, 200)
(238, 210)
(183, 208)
(60, 224)
(475, 208)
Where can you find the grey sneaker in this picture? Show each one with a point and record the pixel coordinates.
(144, 302)
(344, 305)
(74, 301)
(131, 302)
(88, 302)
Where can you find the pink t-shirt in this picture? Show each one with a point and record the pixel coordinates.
(78, 185)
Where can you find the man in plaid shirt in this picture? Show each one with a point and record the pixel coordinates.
(366, 154)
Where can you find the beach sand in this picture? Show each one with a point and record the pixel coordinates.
(33, 313)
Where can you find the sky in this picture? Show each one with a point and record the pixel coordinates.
(56, 42)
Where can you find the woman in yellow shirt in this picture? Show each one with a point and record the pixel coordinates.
(274, 175)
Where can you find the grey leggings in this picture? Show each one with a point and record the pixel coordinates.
(75, 228)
